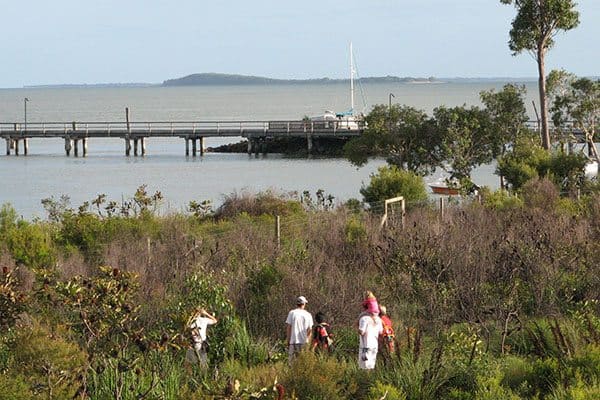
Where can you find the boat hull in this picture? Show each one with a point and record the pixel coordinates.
(444, 190)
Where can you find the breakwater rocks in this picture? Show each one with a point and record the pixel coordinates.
(287, 146)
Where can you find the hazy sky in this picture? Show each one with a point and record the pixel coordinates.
(83, 41)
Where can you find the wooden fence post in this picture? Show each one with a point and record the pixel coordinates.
(278, 231)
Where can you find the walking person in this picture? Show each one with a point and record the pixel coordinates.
(369, 329)
(370, 303)
(298, 326)
(321, 335)
(198, 325)
(388, 336)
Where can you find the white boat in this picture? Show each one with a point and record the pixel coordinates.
(347, 119)
(591, 169)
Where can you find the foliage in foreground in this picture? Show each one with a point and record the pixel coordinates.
(505, 309)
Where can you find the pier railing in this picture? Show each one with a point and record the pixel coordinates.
(177, 128)
(77, 133)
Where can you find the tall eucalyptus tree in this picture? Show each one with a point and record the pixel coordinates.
(533, 30)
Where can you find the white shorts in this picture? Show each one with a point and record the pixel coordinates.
(367, 358)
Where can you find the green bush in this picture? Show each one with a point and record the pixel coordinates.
(355, 231)
(531, 378)
(14, 387)
(253, 378)
(384, 391)
(201, 289)
(579, 391)
(527, 160)
(389, 182)
(313, 376)
(249, 351)
(161, 376)
(491, 388)
(585, 366)
(567, 170)
(516, 372)
(52, 365)
(421, 379)
(255, 205)
(28, 243)
(12, 300)
(501, 200)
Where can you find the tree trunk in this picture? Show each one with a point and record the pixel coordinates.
(543, 103)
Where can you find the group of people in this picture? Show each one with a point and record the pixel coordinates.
(374, 326)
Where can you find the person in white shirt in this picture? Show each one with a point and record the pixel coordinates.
(299, 325)
(369, 329)
(198, 326)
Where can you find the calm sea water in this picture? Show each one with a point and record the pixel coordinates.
(46, 172)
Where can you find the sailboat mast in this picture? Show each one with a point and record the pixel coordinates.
(351, 80)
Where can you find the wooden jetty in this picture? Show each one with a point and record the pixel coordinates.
(134, 134)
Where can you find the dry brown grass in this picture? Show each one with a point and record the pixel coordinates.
(475, 265)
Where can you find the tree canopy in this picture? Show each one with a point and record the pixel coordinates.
(576, 100)
(390, 181)
(507, 111)
(468, 140)
(403, 135)
(533, 30)
(456, 139)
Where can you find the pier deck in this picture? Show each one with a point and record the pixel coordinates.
(191, 131)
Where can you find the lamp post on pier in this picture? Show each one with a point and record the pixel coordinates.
(25, 100)
(390, 112)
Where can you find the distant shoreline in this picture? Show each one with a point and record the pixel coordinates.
(215, 79)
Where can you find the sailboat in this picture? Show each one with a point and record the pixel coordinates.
(347, 119)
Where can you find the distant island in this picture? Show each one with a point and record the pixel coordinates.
(208, 79)
(90, 85)
(216, 79)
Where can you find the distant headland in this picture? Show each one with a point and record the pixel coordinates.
(207, 79)
(217, 79)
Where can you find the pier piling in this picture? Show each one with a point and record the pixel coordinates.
(16, 143)
(127, 146)
(201, 146)
(187, 147)
(84, 145)
(135, 147)
(194, 147)
(128, 137)
(8, 146)
(76, 147)
(143, 143)
(25, 146)
(67, 146)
